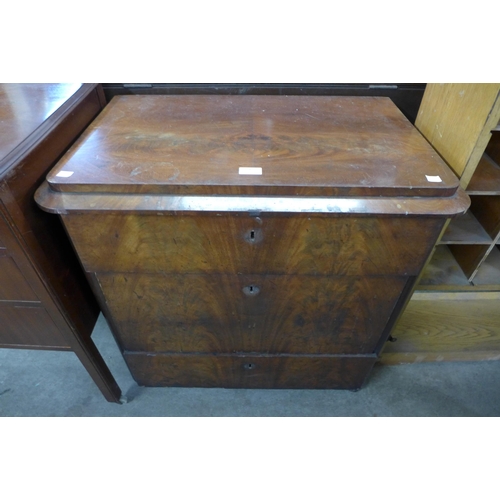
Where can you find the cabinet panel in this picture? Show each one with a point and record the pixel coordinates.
(28, 327)
(250, 313)
(13, 286)
(253, 245)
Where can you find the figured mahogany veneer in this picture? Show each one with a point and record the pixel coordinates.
(292, 276)
(305, 145)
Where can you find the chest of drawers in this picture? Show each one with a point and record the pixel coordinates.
(252, 241)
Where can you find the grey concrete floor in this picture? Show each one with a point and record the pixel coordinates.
(47, 383)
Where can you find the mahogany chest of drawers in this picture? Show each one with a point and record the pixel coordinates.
(252, 241)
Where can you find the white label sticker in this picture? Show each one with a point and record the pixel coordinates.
(434, 178)
(64, 173)
(250, 170)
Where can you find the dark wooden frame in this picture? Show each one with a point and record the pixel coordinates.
(58, 310)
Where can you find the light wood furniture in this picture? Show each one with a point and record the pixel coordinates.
(454, 313)
(252, 241)
(45, 300)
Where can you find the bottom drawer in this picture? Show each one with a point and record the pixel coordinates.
(28, 327)
(250, 371)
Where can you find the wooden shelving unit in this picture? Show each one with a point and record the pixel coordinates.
(456, 303)
(472, 237)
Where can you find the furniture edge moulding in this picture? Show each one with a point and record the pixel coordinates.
(63, 203)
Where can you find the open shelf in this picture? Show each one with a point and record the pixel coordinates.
(454, 313)
(469, 257)
(486, 210)
(465, 230)
(486, 178)
(489, 271)
(443, 269)
(493, 147)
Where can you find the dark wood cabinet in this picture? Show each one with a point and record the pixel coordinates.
(252, 241)
(45, 300)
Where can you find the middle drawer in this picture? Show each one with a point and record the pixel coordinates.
(250, 313)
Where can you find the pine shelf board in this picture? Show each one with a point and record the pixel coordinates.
(447, 327)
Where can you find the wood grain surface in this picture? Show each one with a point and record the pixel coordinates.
(292, 278)
(457, 119)
(25, 107)
(305, 145)
(45, 300)
(253, 372)
(29, 327)
(250, 313)
(280, 245)
(447, 326)
(13, 285)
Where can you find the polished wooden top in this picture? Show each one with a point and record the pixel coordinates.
(253, 145)
(25, 106)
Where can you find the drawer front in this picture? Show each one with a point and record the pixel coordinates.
(28, 327)
(252, 372)
(13, 285)
(252, 245)
(250, 313)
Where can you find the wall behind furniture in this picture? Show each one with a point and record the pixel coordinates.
(406, 96)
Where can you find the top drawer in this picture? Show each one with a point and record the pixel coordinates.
(239, 243)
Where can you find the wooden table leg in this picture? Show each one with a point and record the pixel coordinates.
(90, 357)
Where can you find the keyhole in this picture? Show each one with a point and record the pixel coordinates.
(253, 236)
(251, 290)
(249, 366)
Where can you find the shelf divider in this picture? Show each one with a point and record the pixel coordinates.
(443, 269)
(469, 257)
(489, 271)
(486, 178)
(465, 230)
